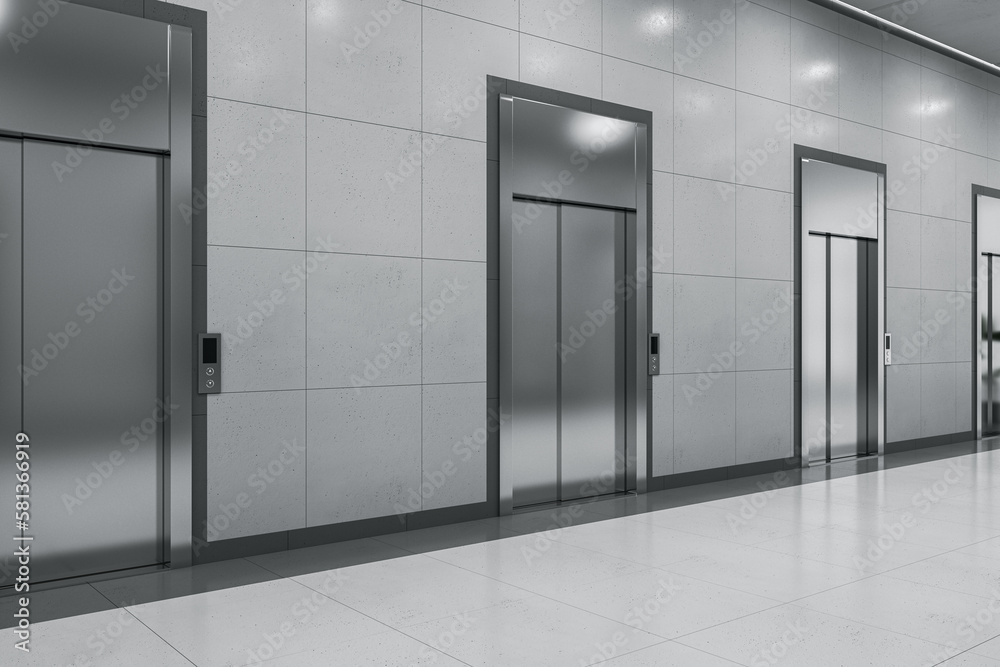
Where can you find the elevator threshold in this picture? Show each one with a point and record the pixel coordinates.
(567, 503)
(843, 459)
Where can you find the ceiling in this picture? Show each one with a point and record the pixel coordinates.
(972, 26)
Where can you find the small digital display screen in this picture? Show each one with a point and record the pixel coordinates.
(654, 345)
(209, 350)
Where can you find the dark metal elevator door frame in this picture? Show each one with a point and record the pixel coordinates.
(551, 152)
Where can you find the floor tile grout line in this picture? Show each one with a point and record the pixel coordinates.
(391, 628)
(160, 637)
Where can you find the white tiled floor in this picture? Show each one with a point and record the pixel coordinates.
(895, 567)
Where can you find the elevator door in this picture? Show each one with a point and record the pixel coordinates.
(89, 374)
(567, 370)
(840, 323)
(989, 301)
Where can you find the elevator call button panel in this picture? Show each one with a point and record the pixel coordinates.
(654, 354)
(209, 363)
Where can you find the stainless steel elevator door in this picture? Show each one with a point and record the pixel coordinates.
(535, 364)
(839, 322)
(591, 264)
(989, 301)
(568, 340)
(92, 356)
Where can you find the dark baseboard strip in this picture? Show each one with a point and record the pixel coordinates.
(923, 443)
(241, 547)
(721, 474)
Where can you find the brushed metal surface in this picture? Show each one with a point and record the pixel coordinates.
(592, 347)
(573, 156)
(534, 365)
(179, 335)
(843, 307)
(83, 75)
(988, 227)
(839, 200)
(92, 309)
(848, 326)
(815, 418)
(10, 326)
(991, 379)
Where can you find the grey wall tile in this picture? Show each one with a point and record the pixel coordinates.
(247, 145)
(704, 422)
(641, 31)
(454, 445)
(903, 174)
(577, 24)
(900, 96)
(860, 83)
(860, 140)
(937, 100)
(705, 40)
(903, 232)
(663, 223)
(763, 52)
(861, 32)
(359, 321)
(938, 186)
(663, 425)
(663, 320)
(704, 227)
(645, 88)
(902, 320)
(972, 118)
(500, 12)
(815, 68)
(343, 56)
(993, 127)
(902, 403)
(965, 326)
(814, 14)
(763, 416)
(937, 400)
(458, 55)
(764, 317)
(970, 170)
(937, 254)
(257, 462)
(763, 143)
(704, 129)
(964, 397)
(555, 65)
(257, 301)
(364, 453)
(783, 6)
(454, 201)
(817, 130)
(704, 323)
(901, 47)
(963, 257)
(937, 61)
(273, 70)
(938, 320)
(763, 234)
(364, 187)
(453, 318)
